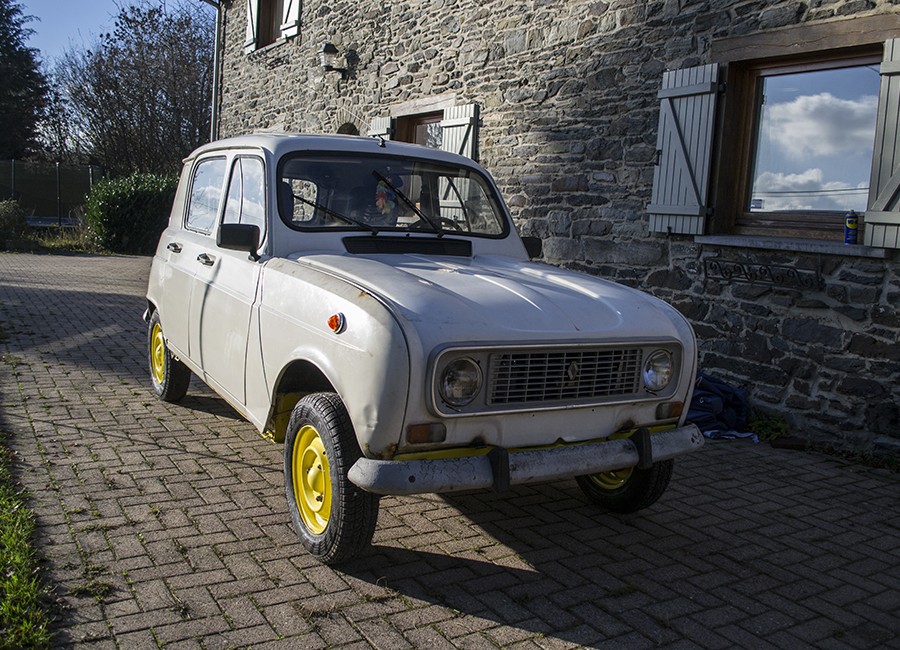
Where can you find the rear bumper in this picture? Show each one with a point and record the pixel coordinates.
(501, 468)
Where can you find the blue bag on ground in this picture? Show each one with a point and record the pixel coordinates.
(719, 409)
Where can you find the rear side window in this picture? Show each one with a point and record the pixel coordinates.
(246, 201)
(206, 194)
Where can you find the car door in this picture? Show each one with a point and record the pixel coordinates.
(225, 284)
(189, 239)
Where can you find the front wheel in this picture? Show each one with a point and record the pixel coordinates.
(334, 519)
(629, 489)
(170, 377)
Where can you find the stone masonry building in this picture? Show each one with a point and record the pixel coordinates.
(705, 151)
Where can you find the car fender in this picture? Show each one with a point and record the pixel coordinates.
(349, 335)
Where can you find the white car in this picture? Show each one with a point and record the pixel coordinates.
(369, 304)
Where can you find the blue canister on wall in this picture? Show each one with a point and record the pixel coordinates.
(851, 227)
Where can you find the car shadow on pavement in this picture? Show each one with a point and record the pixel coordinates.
(81, 328)
(543, 559)
(209, 403)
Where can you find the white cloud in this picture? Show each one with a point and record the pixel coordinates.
(807, 190)
(821, 125)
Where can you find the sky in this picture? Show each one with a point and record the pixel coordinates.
(61, 24)
(816, 140)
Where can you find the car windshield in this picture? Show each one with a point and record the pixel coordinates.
(380, 193)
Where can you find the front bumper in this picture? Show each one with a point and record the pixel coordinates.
(502, 468)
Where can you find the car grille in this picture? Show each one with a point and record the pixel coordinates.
(558, 375)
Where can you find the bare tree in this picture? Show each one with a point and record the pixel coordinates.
(139, 100)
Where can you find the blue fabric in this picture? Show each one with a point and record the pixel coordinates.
(719, 409)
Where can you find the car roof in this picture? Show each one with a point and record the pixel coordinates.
(279, 144)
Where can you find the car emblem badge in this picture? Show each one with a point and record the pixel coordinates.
(573, 371)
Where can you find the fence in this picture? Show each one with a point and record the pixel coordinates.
(50, 193)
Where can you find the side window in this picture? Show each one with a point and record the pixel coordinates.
(206, 194)
(246, 200)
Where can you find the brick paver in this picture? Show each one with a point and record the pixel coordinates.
(166, 525)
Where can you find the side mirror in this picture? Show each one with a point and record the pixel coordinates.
(534, 246)
(239, 237)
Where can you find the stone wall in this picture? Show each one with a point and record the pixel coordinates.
(567, 91)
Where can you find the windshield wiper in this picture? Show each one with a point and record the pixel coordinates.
(337, 215)
(435, 227)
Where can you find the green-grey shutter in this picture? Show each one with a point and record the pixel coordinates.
(290, 18)
(252, 24)
(882, 221)
(459, 130)
(381, 127)
(459, 134)
(687, 116)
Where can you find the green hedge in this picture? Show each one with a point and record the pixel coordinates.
(127, 215)
(12, 220)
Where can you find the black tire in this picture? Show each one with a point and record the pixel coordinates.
(628, 490)
(334, 519)
(170, 377)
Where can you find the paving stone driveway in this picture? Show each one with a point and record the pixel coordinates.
(165, 525)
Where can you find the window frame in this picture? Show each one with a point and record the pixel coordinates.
(270, 22)
(809, 222)
(745, 61)
(492, 194)
(235, 161)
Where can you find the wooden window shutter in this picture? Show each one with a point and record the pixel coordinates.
(459, 130)
(687, 117)
(290, 19)
(882, 220)
(381, 127)
(252, 25)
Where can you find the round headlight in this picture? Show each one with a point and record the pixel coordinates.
(460, 382)
(658, 371)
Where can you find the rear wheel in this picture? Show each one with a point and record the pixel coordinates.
(334, 519)
(629, 489)
(169, 376)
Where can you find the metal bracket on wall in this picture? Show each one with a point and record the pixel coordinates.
(779, 276)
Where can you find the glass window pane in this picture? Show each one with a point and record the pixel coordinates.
(815, 139)
(246, 194)
(253, 200)
(235, 193)
(429, 134)
(206, 193)
(361, 192)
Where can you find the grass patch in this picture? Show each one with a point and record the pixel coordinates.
(769, 426)
(66, 240)
(24, 617)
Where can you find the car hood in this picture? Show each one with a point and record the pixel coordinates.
(493, 298)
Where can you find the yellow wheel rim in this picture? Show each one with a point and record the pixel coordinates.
(158, 354)
(611, 480)
(312, 480)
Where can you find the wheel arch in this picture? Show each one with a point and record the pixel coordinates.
(151, 307)
(298, 379)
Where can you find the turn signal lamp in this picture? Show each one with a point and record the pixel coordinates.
(337, 323)
(669, 410)
(417, 434)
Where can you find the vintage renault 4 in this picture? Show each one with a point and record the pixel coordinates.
(368, 304)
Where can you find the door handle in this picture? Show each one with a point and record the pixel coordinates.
(206, 260)
(175, 248)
